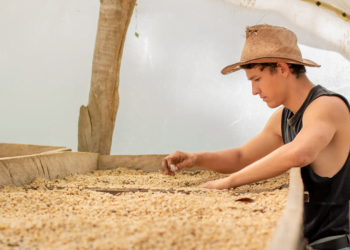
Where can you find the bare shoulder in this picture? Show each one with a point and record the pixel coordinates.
(274, 123)
(327, 107)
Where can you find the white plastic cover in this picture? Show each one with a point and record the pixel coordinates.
(172, 95)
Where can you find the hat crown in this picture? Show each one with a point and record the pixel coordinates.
(270, 41)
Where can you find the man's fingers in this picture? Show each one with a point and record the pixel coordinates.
(202, 186)
(206, 185)
(184, 164)
(187, 163)
(165, 166)
(174, 162)
(170, 163)
(167, 161)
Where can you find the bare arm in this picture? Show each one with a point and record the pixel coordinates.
(319, 127)
(232, 160)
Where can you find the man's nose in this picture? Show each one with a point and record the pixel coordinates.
(255, 89)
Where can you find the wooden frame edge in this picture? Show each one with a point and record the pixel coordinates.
(13, 150)
(56, 151)
(19, 171)
(289, 234)
(146, 163)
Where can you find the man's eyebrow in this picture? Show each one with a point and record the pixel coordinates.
(251, 77)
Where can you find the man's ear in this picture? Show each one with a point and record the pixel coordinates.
(284, 69)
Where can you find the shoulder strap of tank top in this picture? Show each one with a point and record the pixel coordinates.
(331, 93)
(290, 120)
(314, 93)
(284, 118)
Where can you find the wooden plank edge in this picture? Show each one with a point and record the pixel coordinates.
(15, 149)
(146, 163)
(289, 233)
(30, 145)
(60, 150)
(19, 171)
(56, 151)
(115, 191)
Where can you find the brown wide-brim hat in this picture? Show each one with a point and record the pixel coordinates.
(269, 44)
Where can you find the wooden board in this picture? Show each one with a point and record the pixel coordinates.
(19, 171)
(289, 231)
(13, 149)
(147, 163)
(116, 191)
(22, 170)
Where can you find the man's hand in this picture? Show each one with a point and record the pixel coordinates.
(180, 160)
(220, 184)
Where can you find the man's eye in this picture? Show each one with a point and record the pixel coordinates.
(257, 79)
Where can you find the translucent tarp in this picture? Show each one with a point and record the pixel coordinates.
(172, 95)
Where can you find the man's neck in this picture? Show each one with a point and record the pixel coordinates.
(298, 90)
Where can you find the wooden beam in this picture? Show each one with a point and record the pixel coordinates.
(147, 163)
(289, 233)
(19, 171)
(14, 149)
(97, 119)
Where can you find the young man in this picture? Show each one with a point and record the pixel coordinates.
(311, 130)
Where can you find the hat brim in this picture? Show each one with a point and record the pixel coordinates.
(235, 67)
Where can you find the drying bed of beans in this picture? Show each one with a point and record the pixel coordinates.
(64, 214)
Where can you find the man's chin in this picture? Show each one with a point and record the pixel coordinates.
(272, 105)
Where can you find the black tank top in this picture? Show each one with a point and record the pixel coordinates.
(327, 212)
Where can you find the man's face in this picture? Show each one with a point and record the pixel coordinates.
(268, 86)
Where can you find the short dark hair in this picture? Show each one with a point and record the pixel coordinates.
(296, 69)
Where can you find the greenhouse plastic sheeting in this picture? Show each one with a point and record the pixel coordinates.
(172, 94)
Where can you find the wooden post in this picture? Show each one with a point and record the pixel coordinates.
(97, 119)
